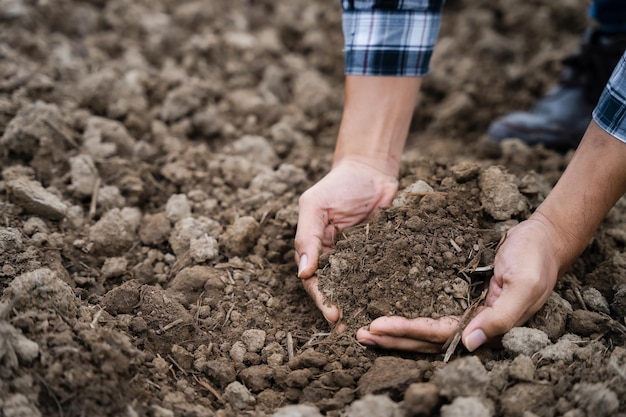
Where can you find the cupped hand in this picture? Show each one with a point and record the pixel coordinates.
(349, 194)
(527, 265)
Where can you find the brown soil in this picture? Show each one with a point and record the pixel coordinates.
(153, 153)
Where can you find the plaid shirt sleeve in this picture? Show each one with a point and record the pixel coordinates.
(390, 37)
(610, 112)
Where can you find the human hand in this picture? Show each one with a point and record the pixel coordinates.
(349, 194)
(526, 268)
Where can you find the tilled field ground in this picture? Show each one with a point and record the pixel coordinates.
(152, 157)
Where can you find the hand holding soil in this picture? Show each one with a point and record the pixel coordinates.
(348, 195)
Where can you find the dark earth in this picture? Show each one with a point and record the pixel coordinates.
(152, 157)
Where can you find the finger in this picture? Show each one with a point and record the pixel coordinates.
(312, 223)
(422, 328)
(330, 312)
(406, 344)
(500, 315)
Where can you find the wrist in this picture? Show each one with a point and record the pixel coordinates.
(566, 245)
(375, 121)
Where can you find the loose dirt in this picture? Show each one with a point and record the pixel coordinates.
(152, 157)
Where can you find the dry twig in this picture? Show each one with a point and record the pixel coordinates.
(453, 342)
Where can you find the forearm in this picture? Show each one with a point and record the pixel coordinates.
(376, 118)
(590, 186)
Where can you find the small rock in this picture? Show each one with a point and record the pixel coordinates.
(238, 351)
(112, 235)
(10, 240)
(308, 359)
(182, 357)
(595, 300)
(374, 406)
(464, 377)
(299, 378)
(524, 341)
(552, 317)
(240, 237)
(42, 289)
(465, 170)
(535, 398)
(122, 299)
(256, 148)
(392, 376)
(83, 174)
(154, 228)
(203, 249)
(238, 396)
(297, 411)
(415, 190)
(110, 197)
(31, 195)
(220, 371)
(257, 378)
(104, 138)
(596, 399)
(563, 350)
(466, 407)
(522, 368)
(33, 122)
(191, 228)
(35, 225)
(499, 194)
(114, 267)
(254, 339)
(190, 282)
(421, 399)
(177, 208)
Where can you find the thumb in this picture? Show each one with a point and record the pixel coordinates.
(494, 320)
(312, 222)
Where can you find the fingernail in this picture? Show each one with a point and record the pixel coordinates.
(302, 265)
(367, 342)
(475, 340)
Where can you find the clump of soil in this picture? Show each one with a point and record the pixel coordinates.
(435, 246)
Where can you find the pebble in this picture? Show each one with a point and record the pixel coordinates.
(596, 399)
(464, 377)
(297, 411)
(31, 196)
(204, 248)
(420, 399)
(241, 236)
(84, 175)
(522, 368)
(374, 406)
(499, 194)
(524, 341)
(238, 396)
(112, 234)
(466, 407)
(404, 196)
(10, 240)
(177, 208)
(254, 339)
(154, 228)
(595, 300)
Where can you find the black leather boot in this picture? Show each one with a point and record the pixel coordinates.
(559, 120)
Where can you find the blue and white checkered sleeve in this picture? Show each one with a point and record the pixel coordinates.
(390, 37)
(610, 112)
